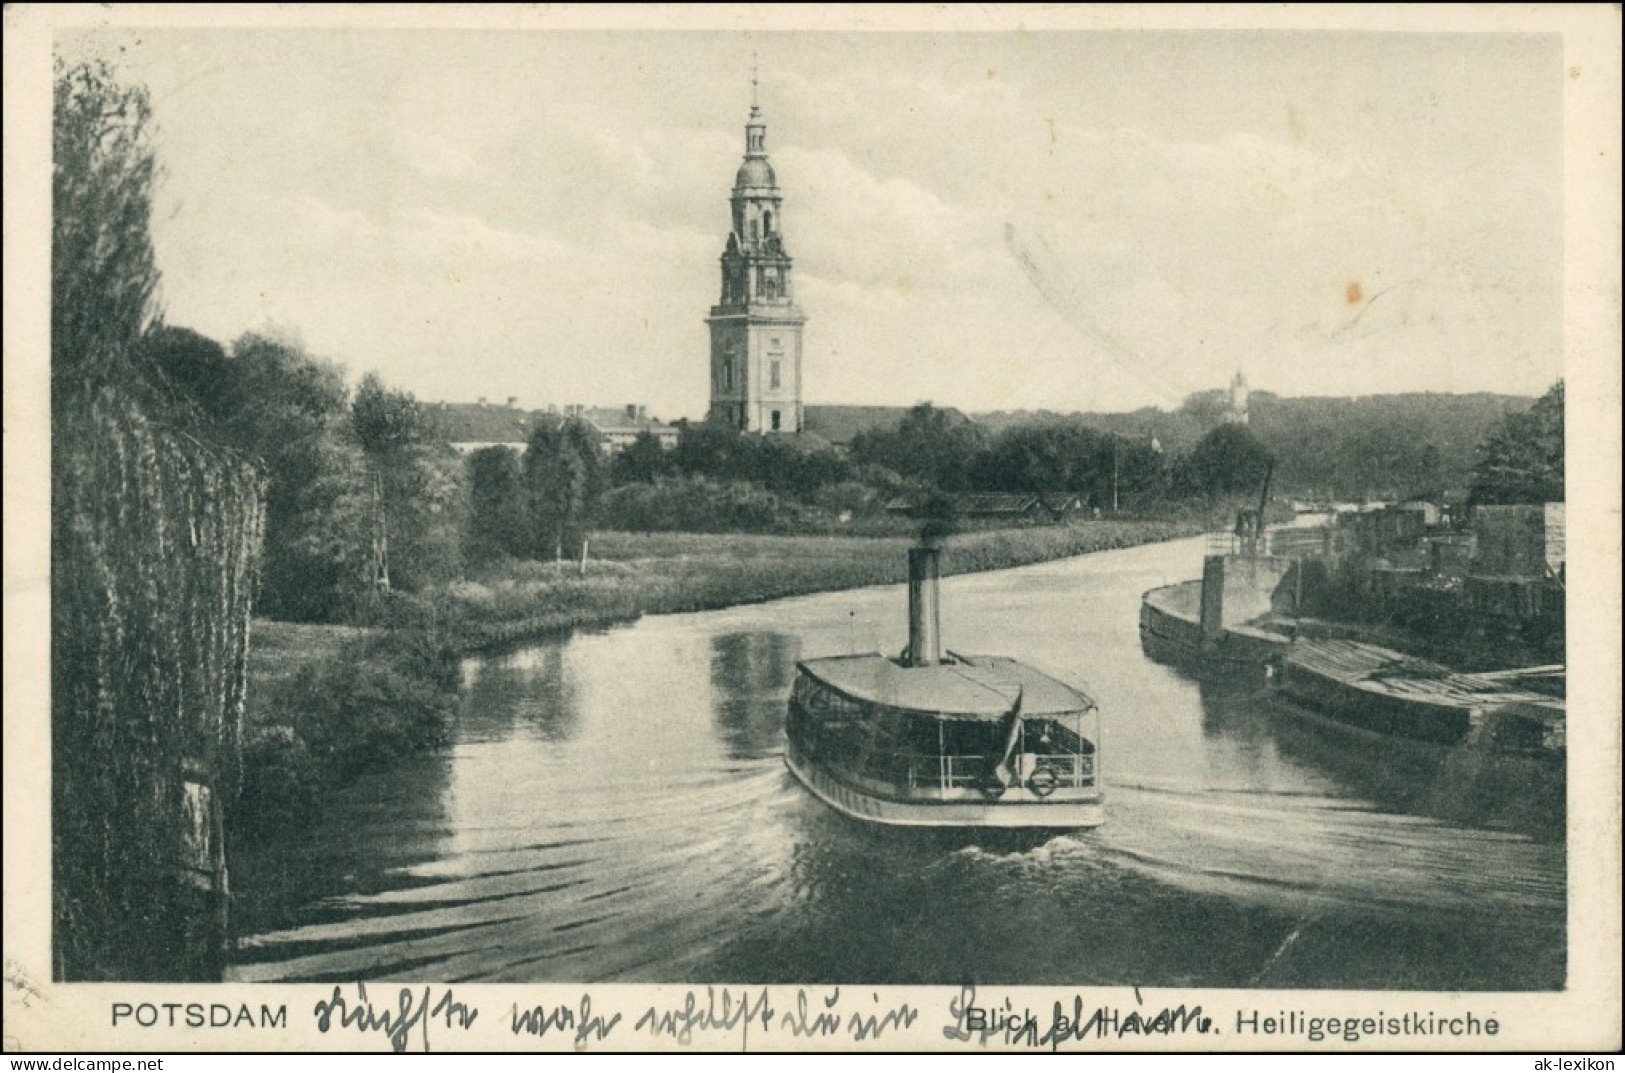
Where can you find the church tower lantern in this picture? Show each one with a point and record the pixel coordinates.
(756, 325)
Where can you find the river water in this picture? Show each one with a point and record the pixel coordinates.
(615, 808)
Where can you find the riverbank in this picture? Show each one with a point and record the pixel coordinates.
(628, 575)
(634, 574)
(326, 702)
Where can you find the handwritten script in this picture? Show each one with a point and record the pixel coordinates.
(395, 1024)
(711, 1016)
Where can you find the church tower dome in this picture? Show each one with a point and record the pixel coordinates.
(755, 172)
(755, 325)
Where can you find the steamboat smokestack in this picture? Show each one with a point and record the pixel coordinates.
(924, 619)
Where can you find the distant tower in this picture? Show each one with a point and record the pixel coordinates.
(1238, 400)
(755, 325)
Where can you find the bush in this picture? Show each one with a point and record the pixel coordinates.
(378, 700)
(281, 782)
(849, 497)
(698, 505)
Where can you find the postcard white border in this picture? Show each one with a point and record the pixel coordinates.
(42, 1015)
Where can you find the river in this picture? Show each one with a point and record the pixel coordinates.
(615, 807)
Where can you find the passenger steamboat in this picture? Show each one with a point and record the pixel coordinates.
(937, 739)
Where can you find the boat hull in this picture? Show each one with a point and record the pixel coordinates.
(1382, 690)
(1002, 815)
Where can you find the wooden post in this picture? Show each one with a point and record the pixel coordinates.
(1211, 616)
(1114, 475)
(380, 535)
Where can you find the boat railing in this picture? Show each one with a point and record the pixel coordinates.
(968, 772)
(1288, 543)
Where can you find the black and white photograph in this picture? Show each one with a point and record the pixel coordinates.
(882, 528)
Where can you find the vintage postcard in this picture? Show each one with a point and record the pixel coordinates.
(737, 528)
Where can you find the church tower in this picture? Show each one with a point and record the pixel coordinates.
(1237, 415)
(755, 325)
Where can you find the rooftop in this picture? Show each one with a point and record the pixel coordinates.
(479, 422)
(975, 687)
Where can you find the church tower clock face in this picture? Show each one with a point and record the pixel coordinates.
(755, 326)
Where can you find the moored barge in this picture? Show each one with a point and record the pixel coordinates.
(1379, 689)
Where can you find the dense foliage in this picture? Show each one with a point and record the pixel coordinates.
(1376, 446)
(928, 445)
(155, 535)
(1227, 460)
(498, 525)
(697, 505)
(563, 480)
(375, 700)
(103, 276)
(1522, 461)
(359, 496)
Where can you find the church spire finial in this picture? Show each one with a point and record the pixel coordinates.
(755, 126)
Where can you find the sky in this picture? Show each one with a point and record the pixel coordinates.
(1070, 221)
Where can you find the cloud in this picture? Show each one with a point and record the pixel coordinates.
(543, 218)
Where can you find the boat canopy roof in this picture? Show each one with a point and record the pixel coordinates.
(968, 687)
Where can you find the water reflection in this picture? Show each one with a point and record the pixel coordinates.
(616, 808)
(751, 675)
(307, 886)
(1460, 783)
(1256, 737)
(532, 689)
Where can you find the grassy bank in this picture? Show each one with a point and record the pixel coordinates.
(327, 703)
(630, 574)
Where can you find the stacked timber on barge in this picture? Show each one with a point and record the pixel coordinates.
(1387, 691)
(1248, 611)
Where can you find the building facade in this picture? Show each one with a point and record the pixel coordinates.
(756, 326)
(469, 427)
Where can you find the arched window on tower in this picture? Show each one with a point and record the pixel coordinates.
(767, 222)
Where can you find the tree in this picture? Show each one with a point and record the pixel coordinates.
(1053, 457)
(1138, 470)
(563, 482)
(1206, 408)
(707, 449)
(103, 276)
(641, 460)
(1226, 461)
(194, 376)
(419, 489)
(496, 493)
(388, 426)
(1522, 460)
(155, 538)
(929, 443)
(429, 519)
(287, 411)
